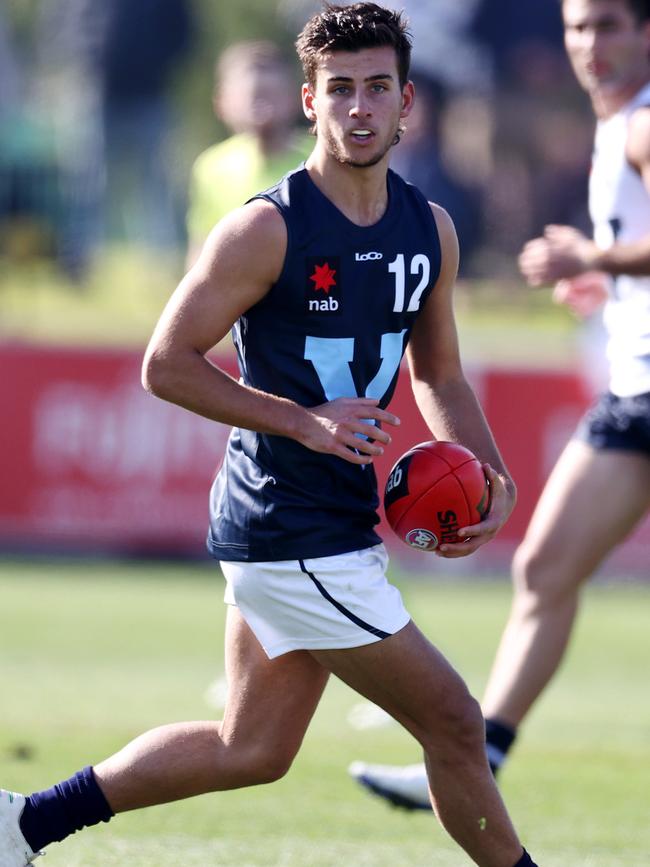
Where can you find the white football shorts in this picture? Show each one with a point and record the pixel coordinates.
(324, 603)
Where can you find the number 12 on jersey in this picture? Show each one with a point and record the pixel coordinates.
(421, 266)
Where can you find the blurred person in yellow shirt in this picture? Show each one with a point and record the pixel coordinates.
(254, 96)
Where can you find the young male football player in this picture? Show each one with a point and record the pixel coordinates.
(608, 459)
(320, 327)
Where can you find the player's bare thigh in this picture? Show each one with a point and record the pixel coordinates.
(411, 680)
(591, 501)
(270, 702)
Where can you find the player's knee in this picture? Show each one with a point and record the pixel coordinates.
(274, 768)
(460, 728)
(267, 765)
(468, 724)
(532, 573)
(542, 582)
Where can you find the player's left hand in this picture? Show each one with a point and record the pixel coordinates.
(502, 502)
(561, 252)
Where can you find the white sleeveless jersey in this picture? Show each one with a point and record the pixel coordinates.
(619, 205)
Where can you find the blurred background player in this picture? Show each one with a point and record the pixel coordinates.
(599, 489)
(146, 44)
(104, 85)
(254, 97)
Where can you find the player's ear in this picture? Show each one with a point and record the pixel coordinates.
(308, 103)
(408, 95)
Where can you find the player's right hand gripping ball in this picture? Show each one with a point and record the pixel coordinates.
(433, 489)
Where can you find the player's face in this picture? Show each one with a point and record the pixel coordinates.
(607, 46)
(357, 103)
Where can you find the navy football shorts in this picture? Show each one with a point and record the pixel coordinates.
(617, 423)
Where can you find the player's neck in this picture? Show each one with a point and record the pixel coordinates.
(361, 194)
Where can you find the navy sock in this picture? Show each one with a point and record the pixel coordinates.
(499, 737)
(525, 861)
(52, 815)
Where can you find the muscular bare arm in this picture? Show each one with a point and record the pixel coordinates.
(445, 398)
(239, 263)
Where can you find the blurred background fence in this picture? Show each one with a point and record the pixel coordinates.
(92, 464)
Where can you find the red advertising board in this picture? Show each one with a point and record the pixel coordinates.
(90, 462)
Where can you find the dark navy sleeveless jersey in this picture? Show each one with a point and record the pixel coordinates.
(335, 324)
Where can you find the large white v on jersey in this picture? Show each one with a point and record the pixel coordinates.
(619, 205)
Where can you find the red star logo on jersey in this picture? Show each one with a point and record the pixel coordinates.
(323, 286)
(323, 277)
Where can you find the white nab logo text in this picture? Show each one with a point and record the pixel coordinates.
(368, 257)
(330, 304)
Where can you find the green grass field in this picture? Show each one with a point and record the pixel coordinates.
(94, 653)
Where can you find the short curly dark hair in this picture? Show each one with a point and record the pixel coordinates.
(353, 28)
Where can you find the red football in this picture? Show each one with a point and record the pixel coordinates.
(433, 489)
